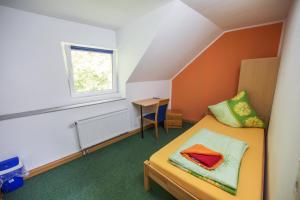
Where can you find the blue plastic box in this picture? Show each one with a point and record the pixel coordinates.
(11, 174)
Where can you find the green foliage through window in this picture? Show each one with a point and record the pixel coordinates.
(92, 71)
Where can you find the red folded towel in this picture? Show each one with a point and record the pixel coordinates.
(203, 156)
(207, 160)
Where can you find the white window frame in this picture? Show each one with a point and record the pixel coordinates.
(69, 68)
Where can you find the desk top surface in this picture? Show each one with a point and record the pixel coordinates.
(146, 102)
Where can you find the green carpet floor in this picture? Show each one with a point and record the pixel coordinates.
(114, 172)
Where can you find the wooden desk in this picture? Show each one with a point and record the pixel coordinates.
(145, 103)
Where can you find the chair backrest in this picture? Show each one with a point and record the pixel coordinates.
(161, 110)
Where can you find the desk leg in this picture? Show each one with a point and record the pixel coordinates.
(142, 123)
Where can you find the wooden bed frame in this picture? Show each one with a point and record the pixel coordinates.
(258, 77)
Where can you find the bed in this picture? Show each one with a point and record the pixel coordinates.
(256, 76)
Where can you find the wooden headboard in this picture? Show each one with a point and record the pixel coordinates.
(258, 77)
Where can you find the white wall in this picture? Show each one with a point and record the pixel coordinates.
(284, 129)
(144, 90)
(33, 76)
(148, 89)
(32, 72)
(41, 139)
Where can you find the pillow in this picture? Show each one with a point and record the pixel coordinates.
(237, 112)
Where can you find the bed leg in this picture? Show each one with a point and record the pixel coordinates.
(146, 176)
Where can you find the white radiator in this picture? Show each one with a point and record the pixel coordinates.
(100, 128)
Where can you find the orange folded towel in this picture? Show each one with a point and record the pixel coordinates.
(203, 156)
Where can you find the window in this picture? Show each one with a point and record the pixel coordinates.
(91, 70)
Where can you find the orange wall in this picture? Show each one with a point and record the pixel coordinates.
(213, 75)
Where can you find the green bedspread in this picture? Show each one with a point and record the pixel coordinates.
(227, 174)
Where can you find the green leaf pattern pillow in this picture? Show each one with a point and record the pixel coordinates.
(237, 112)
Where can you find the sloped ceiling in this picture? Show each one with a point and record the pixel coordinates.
(134, 40)
(180, 37)
(231, 14)
(191, 25)
(111, 14)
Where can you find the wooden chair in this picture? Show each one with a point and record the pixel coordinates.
(159, 115)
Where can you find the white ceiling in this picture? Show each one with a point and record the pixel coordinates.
(115, 14)
(111, 14)
(230, 14)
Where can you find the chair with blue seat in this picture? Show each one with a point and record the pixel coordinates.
(159, 115)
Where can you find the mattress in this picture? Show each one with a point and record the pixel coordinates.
(250, 186)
